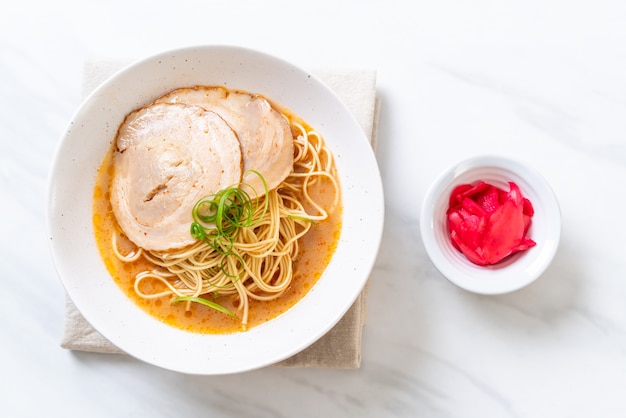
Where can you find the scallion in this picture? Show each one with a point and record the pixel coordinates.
(205, 302)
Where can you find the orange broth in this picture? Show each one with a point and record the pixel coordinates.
(316, 250)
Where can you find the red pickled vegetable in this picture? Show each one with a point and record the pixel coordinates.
(488, 224)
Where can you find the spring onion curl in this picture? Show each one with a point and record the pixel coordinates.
(245, 246)
(218, 218)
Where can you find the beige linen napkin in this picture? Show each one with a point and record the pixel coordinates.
(341, 346)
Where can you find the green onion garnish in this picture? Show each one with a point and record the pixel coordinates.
(205, 302)
(218, 218)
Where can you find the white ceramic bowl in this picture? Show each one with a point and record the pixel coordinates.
(69, 211)
(514, 272)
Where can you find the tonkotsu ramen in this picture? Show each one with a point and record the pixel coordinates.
(216, 210)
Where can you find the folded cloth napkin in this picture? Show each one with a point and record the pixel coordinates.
(341, 346)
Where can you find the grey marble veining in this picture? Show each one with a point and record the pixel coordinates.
(539, 80)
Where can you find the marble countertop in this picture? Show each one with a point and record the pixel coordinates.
(543, 81)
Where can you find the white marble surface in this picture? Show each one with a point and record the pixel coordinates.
(543, 80)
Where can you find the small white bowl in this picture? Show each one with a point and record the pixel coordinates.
(514, 272)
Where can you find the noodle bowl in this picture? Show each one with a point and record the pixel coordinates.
(346, 243)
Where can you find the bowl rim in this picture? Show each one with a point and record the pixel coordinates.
(520, 269)
(361, 182)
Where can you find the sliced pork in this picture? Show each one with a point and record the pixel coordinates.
(168, 157)
(264, 133)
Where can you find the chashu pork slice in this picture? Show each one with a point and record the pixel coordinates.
(168, 157)
(264, 133)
